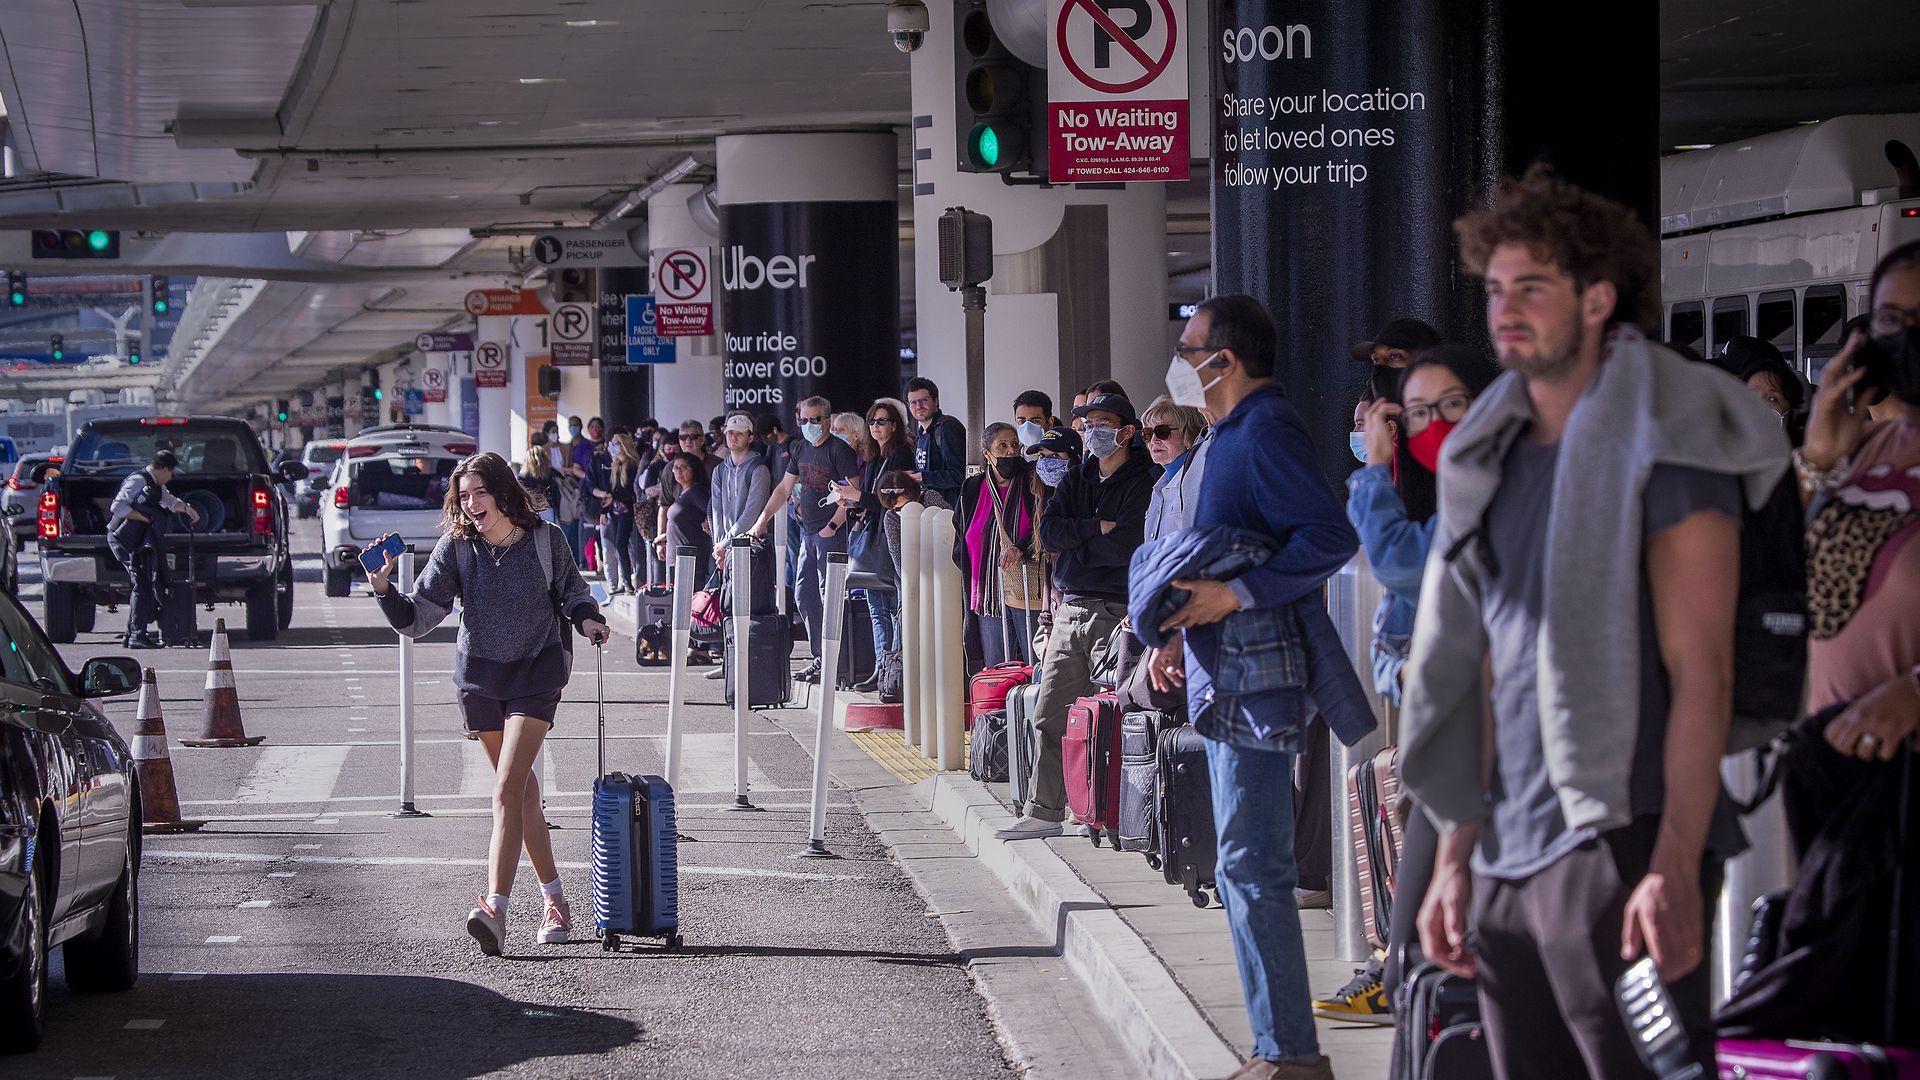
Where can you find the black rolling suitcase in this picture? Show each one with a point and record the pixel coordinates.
(856, 644)
(1139, 781)
(179, 619)
(769, 662)
(1184, 807)
(656, 605)
(1438, 1033)
(636, 857)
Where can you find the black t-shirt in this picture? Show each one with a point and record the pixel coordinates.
(818, 469)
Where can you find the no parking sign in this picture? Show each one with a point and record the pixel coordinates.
(1117, 95)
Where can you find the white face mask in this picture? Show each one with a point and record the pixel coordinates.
(1184, 385)
(1029, 433)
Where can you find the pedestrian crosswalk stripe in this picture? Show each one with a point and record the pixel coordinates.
(293, 774)
(706, 764)
(157, 852)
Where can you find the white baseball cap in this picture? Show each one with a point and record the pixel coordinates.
(739, 423)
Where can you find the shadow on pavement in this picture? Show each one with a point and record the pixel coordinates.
(288, 1025)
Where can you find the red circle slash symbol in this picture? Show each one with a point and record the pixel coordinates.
(682, 275)
(1103, 23)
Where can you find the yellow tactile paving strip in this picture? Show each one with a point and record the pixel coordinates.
(887, 748)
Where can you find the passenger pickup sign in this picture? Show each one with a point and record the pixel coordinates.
(1116, 91)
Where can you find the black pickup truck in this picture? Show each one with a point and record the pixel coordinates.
(239, 547)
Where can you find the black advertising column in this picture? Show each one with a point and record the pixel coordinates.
(1349, 134)
(809, 265)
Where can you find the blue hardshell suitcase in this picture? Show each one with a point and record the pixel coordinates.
(636, 856)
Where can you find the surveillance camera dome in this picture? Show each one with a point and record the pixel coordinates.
(907, 24)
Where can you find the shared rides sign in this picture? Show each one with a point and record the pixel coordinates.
(1116, 91)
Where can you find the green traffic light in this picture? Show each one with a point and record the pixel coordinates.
(98, 239)
(159, 307)
(986, 146)
(377, 395)
(59, 354)
(19, 298)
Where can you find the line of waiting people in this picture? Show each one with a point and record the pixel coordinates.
(1585, 549)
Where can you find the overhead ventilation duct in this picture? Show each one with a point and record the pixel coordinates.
(633, 200)
(704, 207)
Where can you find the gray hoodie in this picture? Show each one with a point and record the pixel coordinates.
(1646, 406)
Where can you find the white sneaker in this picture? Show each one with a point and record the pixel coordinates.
(557, 927)
(1029, 828)
(1306, 899)
(716, 674)
(488, 927)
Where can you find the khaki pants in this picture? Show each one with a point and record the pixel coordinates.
(1076, 644)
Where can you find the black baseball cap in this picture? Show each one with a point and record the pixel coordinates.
(1110, 403)
(1408, 335)
(1060, 440)
(163, 459)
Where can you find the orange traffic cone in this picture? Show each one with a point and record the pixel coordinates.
(159, 799)
(224, 726)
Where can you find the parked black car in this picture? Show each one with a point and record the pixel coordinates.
(69, 827)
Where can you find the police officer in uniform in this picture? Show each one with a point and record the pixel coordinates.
(136, 536)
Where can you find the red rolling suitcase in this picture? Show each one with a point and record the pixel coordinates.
(1090, 758)
(987, 692)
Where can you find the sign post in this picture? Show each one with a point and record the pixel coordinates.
(1117, 92)
(683, 288)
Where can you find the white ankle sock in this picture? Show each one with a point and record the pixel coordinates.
(551, 889)
(498, 902)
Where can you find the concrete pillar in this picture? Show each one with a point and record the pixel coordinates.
(694, 385)
(1079, 287)
(496, 414)
(1395, 117)
(810, 268)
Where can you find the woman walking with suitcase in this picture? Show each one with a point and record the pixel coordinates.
(514, 576)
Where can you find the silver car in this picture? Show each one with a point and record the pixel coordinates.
(23, 490)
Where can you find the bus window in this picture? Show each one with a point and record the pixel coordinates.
(1729, 320)
(1687, 325)
(1773, 321)
(1823, 312)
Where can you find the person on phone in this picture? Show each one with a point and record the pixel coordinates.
(885, 448)
(1568, 695)
(815, 461)
(516, 582)
(1863, 478)
(136, 536)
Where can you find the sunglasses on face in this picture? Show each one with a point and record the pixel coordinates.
(879, 421)
(1162, 432)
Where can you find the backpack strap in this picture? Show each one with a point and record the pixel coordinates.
(543, 547)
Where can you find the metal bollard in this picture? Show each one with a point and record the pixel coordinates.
(741, 559)
(912, 517)
(678, 640)
(1352, 596)
(830, 634)
(407, 809)
(945, 639)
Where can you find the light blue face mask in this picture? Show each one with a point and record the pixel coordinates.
(1358, 441)
(1029, 433)
(811, 432)
(843, 438)
(1051, 470)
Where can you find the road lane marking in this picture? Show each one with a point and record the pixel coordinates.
(706, 765)
(255, 903)
(223, 940)
(306, 847)
(282, 873)
(476, 773)
(143, 1025)
(429, 860)
(293, 774)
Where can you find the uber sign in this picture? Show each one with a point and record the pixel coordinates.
(585, 247)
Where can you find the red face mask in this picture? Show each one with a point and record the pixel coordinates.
(1425, 447)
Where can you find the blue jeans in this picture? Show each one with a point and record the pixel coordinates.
(883, 608)
(1253, 811)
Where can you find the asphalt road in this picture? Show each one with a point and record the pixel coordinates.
(306, 933)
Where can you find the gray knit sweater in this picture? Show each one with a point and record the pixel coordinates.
(514, 644)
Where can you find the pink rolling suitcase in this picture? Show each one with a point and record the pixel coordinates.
(1772, 1059)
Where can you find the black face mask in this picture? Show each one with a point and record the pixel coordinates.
(1902, 360)
(1386, 382)
(1010, 467)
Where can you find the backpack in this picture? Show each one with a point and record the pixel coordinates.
(1770, 620)
(888, 678)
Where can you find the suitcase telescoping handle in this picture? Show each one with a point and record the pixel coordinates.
(600, 709)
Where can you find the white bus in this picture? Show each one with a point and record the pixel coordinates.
(1777, 236)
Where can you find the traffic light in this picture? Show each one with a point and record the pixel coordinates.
(283, 409)
(134, 352)
(158, 299)
(16, 289)
(1000, 101)
(379, 394)
(58, 347)
(76, 244)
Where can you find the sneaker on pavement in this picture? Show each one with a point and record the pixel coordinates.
(1029, 828)
(716, 674)
(1313, 898)
(1262, 1069)
(810, 673)
(557, 927)
(488, 927)
(1362, 1001)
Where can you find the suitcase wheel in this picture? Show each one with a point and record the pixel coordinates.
(1199, 897)
(1153, 862)
(609, 942)
(674, 942)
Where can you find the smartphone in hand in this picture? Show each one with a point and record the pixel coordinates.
(373, 558)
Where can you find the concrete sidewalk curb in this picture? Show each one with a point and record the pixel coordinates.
(1137, 996)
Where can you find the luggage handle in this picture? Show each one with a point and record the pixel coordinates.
(600, 708)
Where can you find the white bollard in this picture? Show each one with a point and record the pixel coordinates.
(780, 525)
(740, 558)
(678, 640)
(911, 601)
(407, 809)
(834, 626)
(927, 672)
(946, 648)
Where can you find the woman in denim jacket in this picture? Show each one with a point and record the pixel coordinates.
(1391, 505)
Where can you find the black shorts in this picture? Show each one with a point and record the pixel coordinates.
(484, 713)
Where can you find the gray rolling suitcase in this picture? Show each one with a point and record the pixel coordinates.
(1022, 741)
